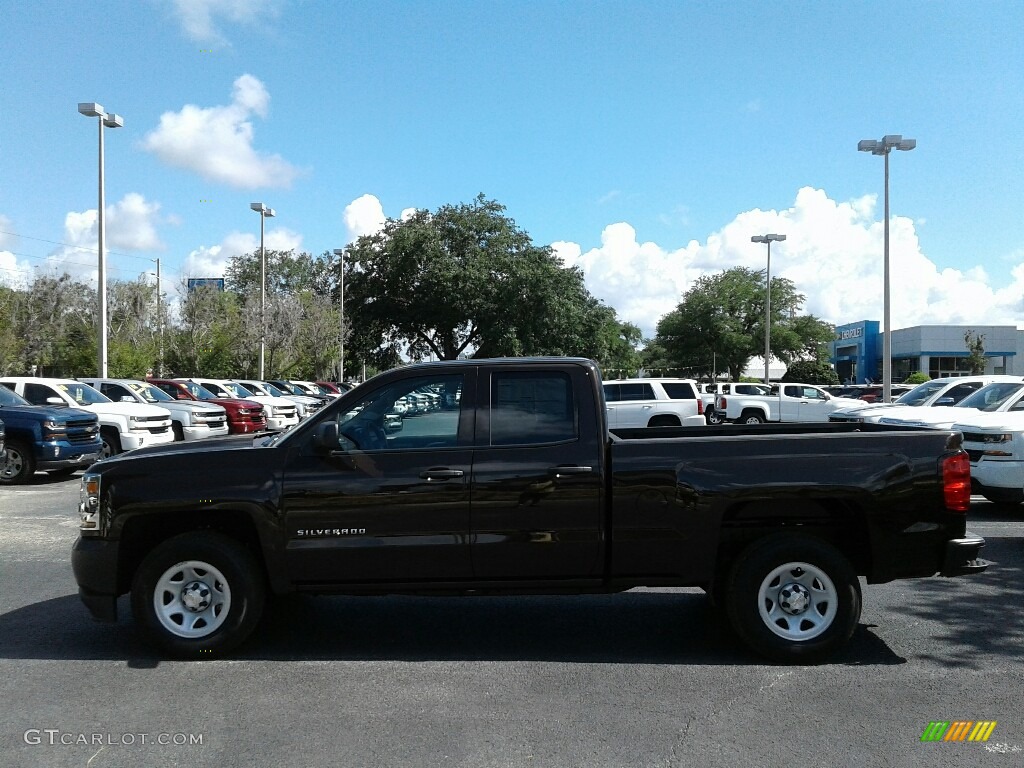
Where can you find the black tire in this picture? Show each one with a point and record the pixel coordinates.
(1008, 496)
(663, 421)
(191, 575)
(179, 433)
(751, 417)
(714, 417)
(111, 444)
(816, 580)
(21, 464)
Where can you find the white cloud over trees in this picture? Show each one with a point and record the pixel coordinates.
(217, 143)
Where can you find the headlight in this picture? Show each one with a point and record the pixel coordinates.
(89, 503)
(54, 428)
(1005, 437)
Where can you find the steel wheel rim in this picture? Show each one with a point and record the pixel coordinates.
(192, 599)
(15, 464)
(798, 601)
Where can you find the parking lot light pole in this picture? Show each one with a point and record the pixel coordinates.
(340, 253)
(884, 147)
(264, 213)
(106, 120)
(768, 239)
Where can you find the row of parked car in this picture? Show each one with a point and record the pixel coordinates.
(62, 425)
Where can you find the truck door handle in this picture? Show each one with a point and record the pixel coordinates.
(440, 473)
(570, 470)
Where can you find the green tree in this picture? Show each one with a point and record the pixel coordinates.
(207, 338)
(719, 325)
(466, 281)
(917, 377)
(975, 343)
(811, 372)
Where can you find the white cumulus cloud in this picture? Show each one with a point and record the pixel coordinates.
(217, 142)
(211, 261)
(833, 255)
(363, 216)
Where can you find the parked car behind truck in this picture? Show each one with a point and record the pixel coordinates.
(49, 438)
(786, 403)
(123, 426)
(190, 420)
(244, 416)
(520, 488)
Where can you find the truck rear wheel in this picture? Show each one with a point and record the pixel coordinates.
(21, 464)
(751, 417)
(714, 416)
(198, 595)
(793, 599)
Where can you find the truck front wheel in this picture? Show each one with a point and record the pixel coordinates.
(21, 463)
(198, 595)
(793, 599)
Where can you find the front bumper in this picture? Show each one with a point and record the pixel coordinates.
(94, 563)
(139, 438)
(203, 431)
(74, 461)
(962, 556)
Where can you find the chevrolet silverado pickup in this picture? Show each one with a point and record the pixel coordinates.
(786, 403)
(517, 486)
(58, 440)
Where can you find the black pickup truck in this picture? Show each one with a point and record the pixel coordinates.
(510, 483)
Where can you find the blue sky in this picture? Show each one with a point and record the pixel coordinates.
(645, 141)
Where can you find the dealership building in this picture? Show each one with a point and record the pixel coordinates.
(937, 350)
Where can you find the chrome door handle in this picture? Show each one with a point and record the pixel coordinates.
(441, 473)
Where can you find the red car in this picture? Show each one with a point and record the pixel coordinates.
(244, 416)
(337, 387)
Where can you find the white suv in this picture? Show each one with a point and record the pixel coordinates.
(653, 403)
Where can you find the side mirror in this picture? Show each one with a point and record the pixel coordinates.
(326, 438)
(180, 396)
(944, 401)
(127, 399)
(55, 401)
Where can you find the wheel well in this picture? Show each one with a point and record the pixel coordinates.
(664, 420)
(141, 535)
(112, 432)
(752, 412)
(839, 524)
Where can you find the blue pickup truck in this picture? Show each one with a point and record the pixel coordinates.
(57, 440)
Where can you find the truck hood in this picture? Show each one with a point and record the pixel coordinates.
(223, 444)
(1009, 421)
(129, 409)
(928, 416)
(45, 412)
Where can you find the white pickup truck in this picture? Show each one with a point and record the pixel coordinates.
(787, 402)
(948, 390)
(995, 445)
(123, 426)
(712, 391)
(653, 403)
(998, 397)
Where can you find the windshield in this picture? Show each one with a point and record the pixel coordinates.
(271, 389)
(198, 391)
(236, 390)
(83, 394)
(149, 393)
(249, 388)
(7, 397)
(288, 388)
(919, 394)
(990, 398)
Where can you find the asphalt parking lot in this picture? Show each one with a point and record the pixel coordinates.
(648, 678)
